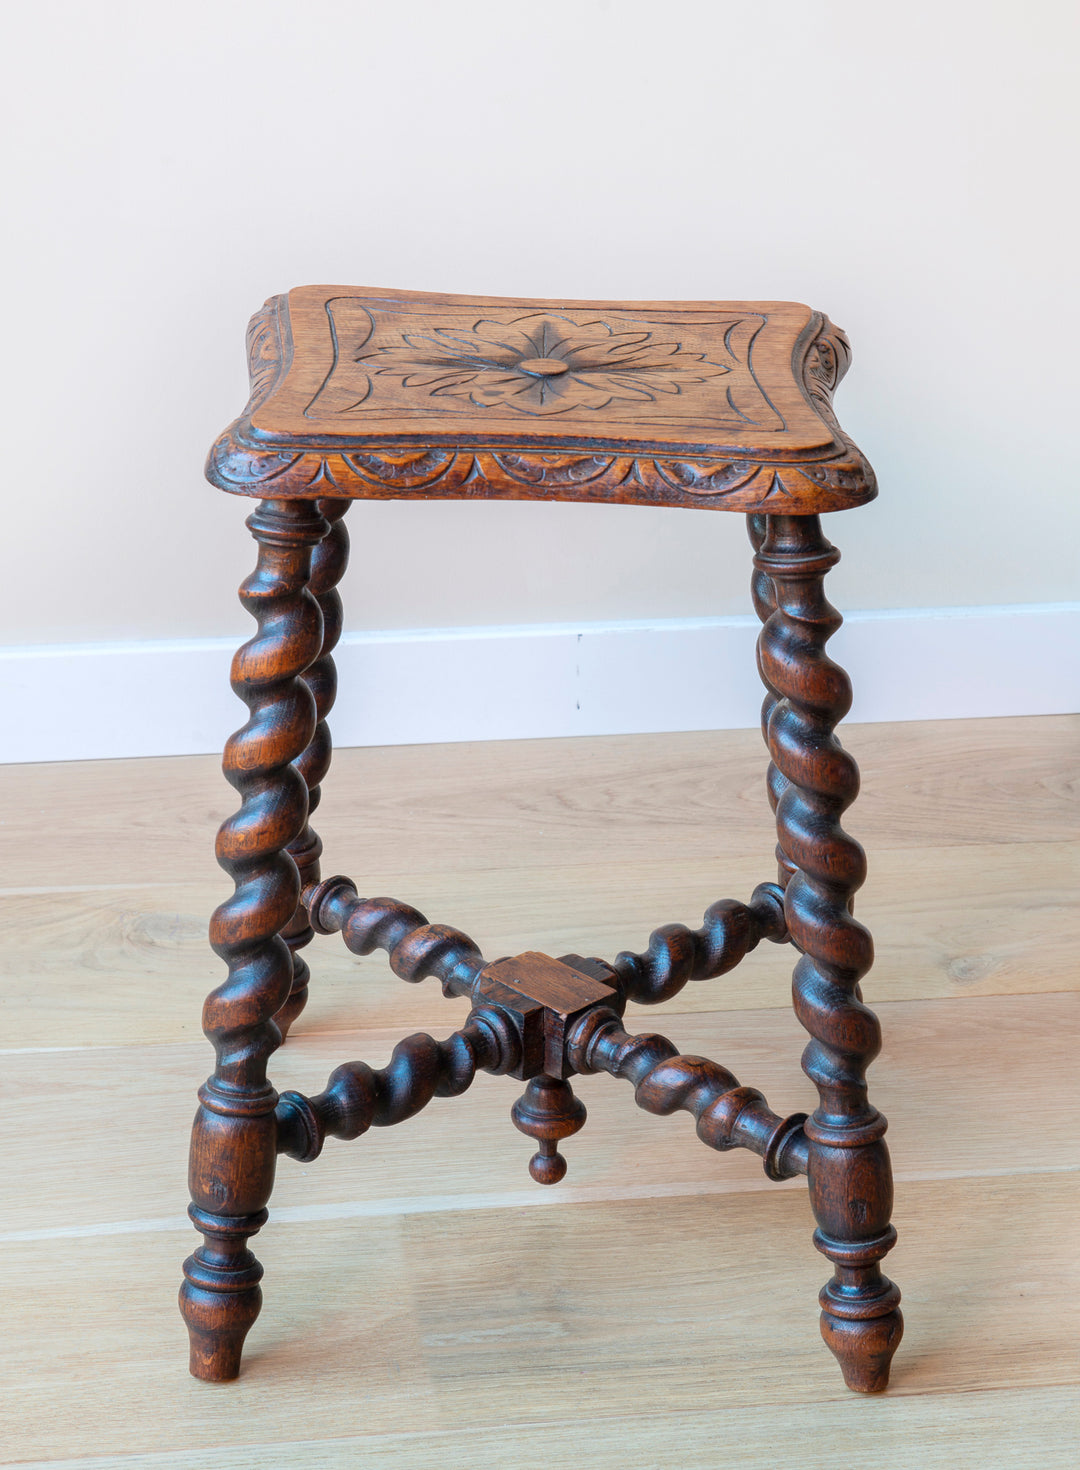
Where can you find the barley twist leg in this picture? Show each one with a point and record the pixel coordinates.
(234, 1139)
(763, 594)
(849, 1172)
(328, 562)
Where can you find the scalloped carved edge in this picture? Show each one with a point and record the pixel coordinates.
(268, 353)
(239, 463)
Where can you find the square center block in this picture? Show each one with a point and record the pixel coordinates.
(544, 996)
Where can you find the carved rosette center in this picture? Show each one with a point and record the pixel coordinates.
(543, 367)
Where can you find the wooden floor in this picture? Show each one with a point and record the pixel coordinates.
(426, 1305)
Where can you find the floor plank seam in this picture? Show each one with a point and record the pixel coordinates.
(391, 1438)
(503, 1200)
(404, 1323)
(383, 1032)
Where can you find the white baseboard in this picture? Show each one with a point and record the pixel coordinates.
(92, 701)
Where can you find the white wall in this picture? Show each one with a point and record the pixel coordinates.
(909, 169)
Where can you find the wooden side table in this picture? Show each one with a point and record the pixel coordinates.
(374, 394)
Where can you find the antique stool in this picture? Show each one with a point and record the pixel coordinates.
(374, 394)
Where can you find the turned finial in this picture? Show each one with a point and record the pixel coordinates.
(548, 1111)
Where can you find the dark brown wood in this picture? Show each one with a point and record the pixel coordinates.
(358, 1097)
(234, 1139)
(328, 562)
(545, 997)
(416, 948)
(725, 405)
(763, 594)
(849, 1171)
(677, 954)
(358, 394)
(549, 1112)
(727, 1114)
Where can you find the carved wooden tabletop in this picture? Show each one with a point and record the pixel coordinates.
(370, 393)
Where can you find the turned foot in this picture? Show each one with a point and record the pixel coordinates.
(220, 1297)
(863, 1347)
(232, 1165)
(861, 1322)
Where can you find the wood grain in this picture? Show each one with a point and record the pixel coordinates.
(948, 922)
(1022, 1429)
(973, 830)
(453, 1323)
(934, 1049)
(725, 405)
(504, 805)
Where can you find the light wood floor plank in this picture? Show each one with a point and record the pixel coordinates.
(940, 1066)
(463, 1321)
(427, 1305)
(541, 803)
(948, 922)
(1031, 1429)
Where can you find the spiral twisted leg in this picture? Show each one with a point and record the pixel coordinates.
(849, 1172)
(329, 559)
(763, 594)
(234, 1139)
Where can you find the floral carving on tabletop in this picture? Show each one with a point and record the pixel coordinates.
(541, 363)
